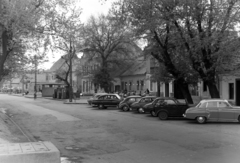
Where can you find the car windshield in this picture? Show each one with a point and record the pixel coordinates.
(118, 96)
(138, 99)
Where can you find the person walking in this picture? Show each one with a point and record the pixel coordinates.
(147, 92)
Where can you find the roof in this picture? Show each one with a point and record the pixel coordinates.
(138, 68)
(61, 63)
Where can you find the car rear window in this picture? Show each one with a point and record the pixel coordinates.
(223, 104)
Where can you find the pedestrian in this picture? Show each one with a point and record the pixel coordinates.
(147, 92)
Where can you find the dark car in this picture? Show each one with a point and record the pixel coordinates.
(165, 107)
(94, 97)
(104, 101)
(126, 103)
(138, 106)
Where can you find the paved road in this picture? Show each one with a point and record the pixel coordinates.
(88, 135)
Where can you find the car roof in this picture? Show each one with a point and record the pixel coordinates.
(216, 99)
(149, 97)
(133, 96)
(165, 98)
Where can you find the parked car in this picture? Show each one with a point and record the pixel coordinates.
(94, 97)
(138, 106)
(126, 103)
(104, 101)
(213, 110)
(165, 107)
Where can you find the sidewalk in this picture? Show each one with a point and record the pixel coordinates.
(81, 100)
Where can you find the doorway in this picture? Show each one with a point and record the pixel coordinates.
(166, 89)
(237, 101)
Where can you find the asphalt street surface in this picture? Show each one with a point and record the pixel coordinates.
(85, 134)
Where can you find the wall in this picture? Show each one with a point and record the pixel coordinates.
(47, 92)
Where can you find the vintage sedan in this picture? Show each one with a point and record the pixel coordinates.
(138, 106)
(107, 100)
(128, 101)
(165, 107)
(94, 97)
(213, 110)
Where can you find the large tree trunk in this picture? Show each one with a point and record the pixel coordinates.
(158, 89)
(214, 93)
(5, 52)
(184, 89)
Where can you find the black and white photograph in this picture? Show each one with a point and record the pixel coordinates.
(119, 81)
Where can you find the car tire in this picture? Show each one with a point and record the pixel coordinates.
(153, 114)
(201, 119)
(162, 115)
(125, 108)
(101, 106)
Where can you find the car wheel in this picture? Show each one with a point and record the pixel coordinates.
(153, 113)
(201, 119)
(100, 106)
(163, 115)
(125, 108)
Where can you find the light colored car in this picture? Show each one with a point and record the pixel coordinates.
(213, 110)
(94, 97)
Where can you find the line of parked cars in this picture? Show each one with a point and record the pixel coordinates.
(165, 107)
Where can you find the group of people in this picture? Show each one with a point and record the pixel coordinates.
(125, 93)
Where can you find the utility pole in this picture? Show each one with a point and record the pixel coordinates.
(35, 85)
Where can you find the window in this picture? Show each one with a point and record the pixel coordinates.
(142, 84)
(148, 100)
(170, 102)
(204, 86)
(223, 104)
(151, 85)
(130, 86)
(212, 104)
(131, 99)
(160, 102)
(202, 105)
(137, 85)
(114, 97)
(142, 100)
(231, 90)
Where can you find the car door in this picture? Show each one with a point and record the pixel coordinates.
(145, 101)
(225, 111)
(158, 105)
(100, 100)
(171, 107)
(114, 100)
(212, 110)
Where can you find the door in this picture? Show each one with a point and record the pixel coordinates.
(166, 89)
(237, 92)
(171, 107)
(212, 110)
(111, 100)
(225, 111)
